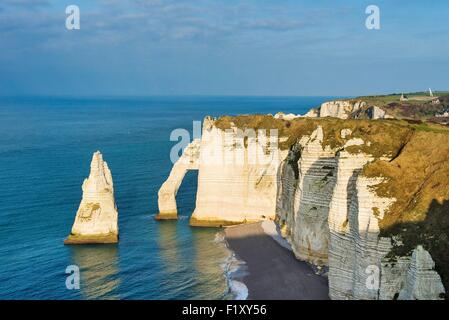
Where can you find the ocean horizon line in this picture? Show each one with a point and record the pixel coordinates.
(149, 96)
(167, 95)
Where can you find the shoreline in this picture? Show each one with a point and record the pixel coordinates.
(233, 268)
(272, 272)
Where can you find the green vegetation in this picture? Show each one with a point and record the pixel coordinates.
(413, 98)
(382, 137)
(418, 105)
(418, 178)
(291, 129)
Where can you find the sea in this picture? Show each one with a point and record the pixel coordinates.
(46, 145)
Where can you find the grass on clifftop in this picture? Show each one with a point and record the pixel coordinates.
(291, 129)
(382, 137)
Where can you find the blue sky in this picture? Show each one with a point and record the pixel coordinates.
(227, 47)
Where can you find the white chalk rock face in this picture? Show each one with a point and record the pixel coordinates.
(330, 215)
(347, 109)
(336, 109)
(310, 234)
(237, 179)
(283, 116)
(376, 113)
(422, 282)
(97, 218)
(312, 113)
(356, 251)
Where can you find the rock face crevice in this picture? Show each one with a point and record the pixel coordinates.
(97, 218)
(336, 223)
(304, 220)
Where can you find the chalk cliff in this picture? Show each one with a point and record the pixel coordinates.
(331, 215)
(363, 197)
(237, 177)
(189, 160)
(234, 171)
(348, 109)
(97, 218)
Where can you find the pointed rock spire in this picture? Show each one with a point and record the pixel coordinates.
(97, 218)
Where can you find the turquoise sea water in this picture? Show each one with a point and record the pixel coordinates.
(46, 145)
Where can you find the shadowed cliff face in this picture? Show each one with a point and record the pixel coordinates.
(292, 160)
(418, 178)
(432, 233)
(413, 173)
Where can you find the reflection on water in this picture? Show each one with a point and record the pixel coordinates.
(176, 258)
(169, 246)
(211, 257)
(191, 261)
(98, 268)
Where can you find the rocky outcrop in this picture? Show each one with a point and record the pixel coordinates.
(310, 232)
(289, 116)
(334, 220)
(375, 112)
(356, 251)
(338, 109)
(313, 182)
(237, 169)
(422, 282)
(348, 109)
(167, 193)
(97, 218)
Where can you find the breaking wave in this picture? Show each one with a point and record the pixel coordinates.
(234, 270)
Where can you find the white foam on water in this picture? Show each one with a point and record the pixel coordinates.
(233, 269)
(239, 289)
(219, 238)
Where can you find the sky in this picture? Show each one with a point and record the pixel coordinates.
(222, 47)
